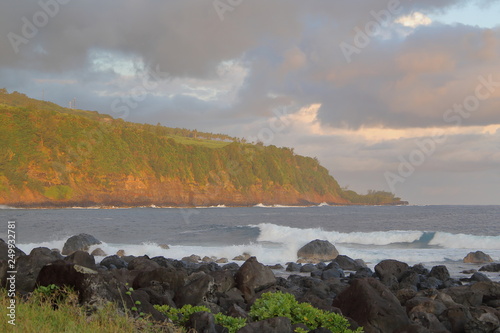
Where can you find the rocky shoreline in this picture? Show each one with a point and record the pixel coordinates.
(393, 297)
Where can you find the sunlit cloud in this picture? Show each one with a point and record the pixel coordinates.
(414, 20)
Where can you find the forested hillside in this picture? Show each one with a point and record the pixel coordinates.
(54, 156)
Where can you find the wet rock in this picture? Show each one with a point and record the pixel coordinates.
(252, 277)
(80, 242)
(318, 250)
(222, 260)
(478, 257)
(82, 258)
(164, 246)
(372, 305)
(120, 253)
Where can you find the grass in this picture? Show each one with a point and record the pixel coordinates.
(213, 144)
(41, 314)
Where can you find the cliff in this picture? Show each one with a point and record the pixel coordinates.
(56, 157)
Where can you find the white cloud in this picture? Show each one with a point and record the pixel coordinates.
(414, 20)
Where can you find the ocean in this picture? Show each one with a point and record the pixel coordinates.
(431, 235)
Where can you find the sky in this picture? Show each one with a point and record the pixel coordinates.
(397, 95)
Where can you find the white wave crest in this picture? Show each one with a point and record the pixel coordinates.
(463, 241)
(282, 234)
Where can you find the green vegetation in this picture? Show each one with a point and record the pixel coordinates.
(51, 309)
(270, 305)
(181, 316)
(371, 198)
(280, 304)
(54, 151)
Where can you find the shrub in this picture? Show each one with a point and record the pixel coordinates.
(181, 316)
(285, 305)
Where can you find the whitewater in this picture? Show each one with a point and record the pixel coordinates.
(430, 235)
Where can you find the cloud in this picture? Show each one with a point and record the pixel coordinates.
(230, 76)
(414, 20)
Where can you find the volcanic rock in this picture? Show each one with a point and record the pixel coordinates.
(78, 242)
(318, 250)
(478, 257)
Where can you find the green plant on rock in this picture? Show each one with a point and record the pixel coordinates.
(233, 324)
(285, 305)
(135, 308)
(181, 316)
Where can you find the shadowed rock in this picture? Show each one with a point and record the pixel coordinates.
(82, 258)
(29, 266)
(114, 262)
(318, 250)
(4, 251)
(275, 325)
(372, 306)
(81, 242)
(495, 267)
(253, 277)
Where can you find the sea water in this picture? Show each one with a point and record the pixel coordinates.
(431, 235)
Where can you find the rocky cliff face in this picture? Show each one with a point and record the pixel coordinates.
(132, 191)
(51, 156)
